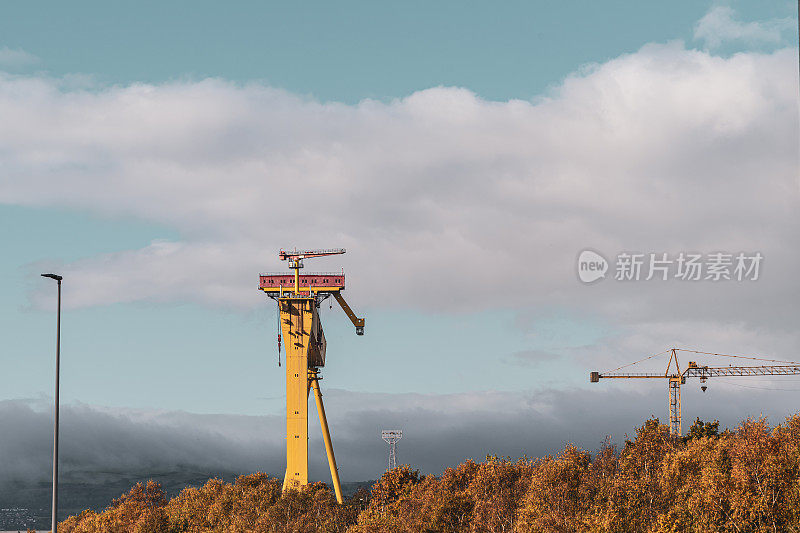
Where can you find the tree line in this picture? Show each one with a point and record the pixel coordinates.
(746, 479)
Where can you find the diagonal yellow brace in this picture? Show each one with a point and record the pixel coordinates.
(323, 422)
(357, 322)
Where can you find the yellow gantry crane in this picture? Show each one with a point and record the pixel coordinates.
(299, 297)
(677, 377)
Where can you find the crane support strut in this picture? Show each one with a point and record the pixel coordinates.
(326, 435)
(357, 322)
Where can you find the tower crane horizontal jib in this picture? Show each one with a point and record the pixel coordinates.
(283, 255)
(774, 370)
(706, 372)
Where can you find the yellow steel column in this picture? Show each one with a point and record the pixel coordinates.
(296, 320)
(326, 436)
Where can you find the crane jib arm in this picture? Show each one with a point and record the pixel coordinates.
(707, 372)
(710, 371)
(288, 255)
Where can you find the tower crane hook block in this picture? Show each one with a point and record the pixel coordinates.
(298, 298)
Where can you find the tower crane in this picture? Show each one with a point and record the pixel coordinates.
(298, 297)
(677, 377)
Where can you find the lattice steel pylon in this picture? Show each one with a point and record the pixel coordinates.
(391, 436)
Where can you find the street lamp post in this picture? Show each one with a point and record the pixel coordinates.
(54, 520)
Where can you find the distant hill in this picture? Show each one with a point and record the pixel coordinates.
(28, 506)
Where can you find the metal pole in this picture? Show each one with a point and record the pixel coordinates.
(54, 519)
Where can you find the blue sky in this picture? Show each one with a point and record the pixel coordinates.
(465, 289)
(348, 52)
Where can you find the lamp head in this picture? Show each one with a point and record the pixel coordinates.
(53, 276)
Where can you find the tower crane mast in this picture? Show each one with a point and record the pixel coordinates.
(677, 377)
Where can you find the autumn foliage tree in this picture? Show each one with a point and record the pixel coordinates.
(747, 479)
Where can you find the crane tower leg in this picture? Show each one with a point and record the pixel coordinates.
(675, 407)
(326, 436)
(296, 326)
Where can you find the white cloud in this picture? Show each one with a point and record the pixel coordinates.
(16, 57)
(445, 201)
(719, 25)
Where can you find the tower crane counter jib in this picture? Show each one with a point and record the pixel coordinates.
(298, 298)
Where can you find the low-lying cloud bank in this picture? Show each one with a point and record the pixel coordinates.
(439, 431)
(96, 441)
